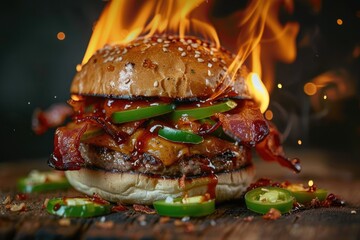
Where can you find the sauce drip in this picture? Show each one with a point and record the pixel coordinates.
(56, 206)
(141, 143)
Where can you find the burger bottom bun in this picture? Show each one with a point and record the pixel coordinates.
(131, 188)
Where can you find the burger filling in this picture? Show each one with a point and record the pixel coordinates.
(163, 137)
(172, 143)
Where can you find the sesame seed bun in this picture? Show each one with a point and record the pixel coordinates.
(158, 67)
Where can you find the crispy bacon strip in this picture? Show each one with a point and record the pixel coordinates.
(66, 155)
(52, 117)
(270, 149)
(245, 123)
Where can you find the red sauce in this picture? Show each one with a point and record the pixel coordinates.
(21, 196)
(97, 199)
(207, 128)
(142, 140)
(56, 206)
(211, 188)
(208, 170)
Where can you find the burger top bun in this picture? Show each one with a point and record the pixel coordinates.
(159, 67)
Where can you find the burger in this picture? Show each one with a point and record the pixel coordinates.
(161, 117)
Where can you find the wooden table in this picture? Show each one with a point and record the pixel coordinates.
(230, 221)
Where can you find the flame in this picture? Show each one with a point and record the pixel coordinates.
(261, 38)
(258, 91)
(152, 17)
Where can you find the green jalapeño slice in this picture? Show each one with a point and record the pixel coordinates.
(196, 206)
(42, 181)
(141, 113)
(203, 112)
(305, 195)
(262, 199)
(177, 135)
(77, 207)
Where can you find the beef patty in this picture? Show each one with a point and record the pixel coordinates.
(194, 165)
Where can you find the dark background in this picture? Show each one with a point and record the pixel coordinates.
(36, 70)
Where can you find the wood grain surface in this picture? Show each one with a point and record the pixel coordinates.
(231, 220)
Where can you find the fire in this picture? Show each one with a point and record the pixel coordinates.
(153, 17)
(258, 91)
(261, 38)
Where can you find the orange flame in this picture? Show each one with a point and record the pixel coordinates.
(153, 17)
(261, 38)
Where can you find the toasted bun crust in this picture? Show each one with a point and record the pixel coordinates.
(130, 188)
(158, 67)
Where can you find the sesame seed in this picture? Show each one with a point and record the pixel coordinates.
(154, 44)
(197, 55)
(200, 60)
(205, 44)
(189, 41)
(180, 49)
(166, 41)
(183, 54)
(197, 52)
(159, 40)
(194, 45)
(211, 52)
(127, 80)
(209, 73)
(109, 59)
(210, 65)
(156, 84)
(166, 45)
(119, 59)
(214, 59)
(188, 48)
(223, 61)
(165, 49)
(136, 44)
(124, 51)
